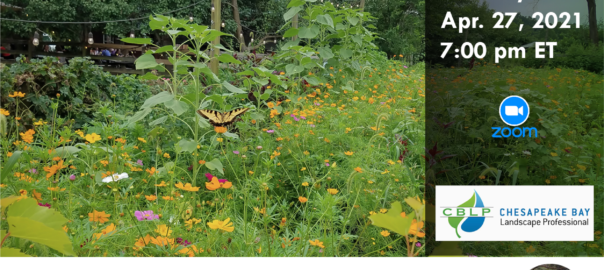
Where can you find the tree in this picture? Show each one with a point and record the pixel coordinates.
(593, 22)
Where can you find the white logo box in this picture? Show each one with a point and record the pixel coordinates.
(519, 197)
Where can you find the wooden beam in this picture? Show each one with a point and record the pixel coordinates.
(217, 22)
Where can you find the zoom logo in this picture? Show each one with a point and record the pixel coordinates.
(514, 111)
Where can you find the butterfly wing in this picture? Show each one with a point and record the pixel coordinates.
(229, 117)
(215, 117)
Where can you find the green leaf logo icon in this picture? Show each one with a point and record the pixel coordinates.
(473, 222)
(454, 221)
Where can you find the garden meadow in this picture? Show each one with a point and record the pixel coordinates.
(326, 161)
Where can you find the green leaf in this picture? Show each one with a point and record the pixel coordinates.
(291, 69)
(417, 206)
(178, 106)
(29, 221)
(167, 48)
(325, 19)
(291, 13)
(4, 203)
(213, 34)
(202, 122)
(139, 115)
(219, 46)
(296, 3)
(12, 252)
(393, 220)
(98, 178)
(312, 32)
(352, 20)
(231, 135)
(215, 164)
(358, 39)
(65, 151)
(290, 32)
(161, 97)
(232, 88)
(454, 221)
(325, 53)
(246, 73)
(137, 40)
(7, 168)
(146, 61)
(187, 145)
(158, 121)
(290, 44)
(345, 53)
(227, 58)
(311, 80)
(149, 76)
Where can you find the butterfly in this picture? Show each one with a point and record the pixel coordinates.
(219, 119)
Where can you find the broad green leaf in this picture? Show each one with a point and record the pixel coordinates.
(454, 221)
(312, 80)
(292, 69)
(246, 73)
(312, 32)
(167, 48)
(139, 115)
(12, 252)
(187, 145)
(231, 135)
(212, 35)
(149, 76)
(260, 81)
(227, 58)
(178, 106)
(215, 164)
(447, 249)
(7, 168)
(417, 206)
(137, 40)
(290, 32)
(296, 3)
(65, 151)
(161, 97)
(290, 44)
(29, 221)
(98, 178)
(202, 122)
(291, 13)
(352, 20)
(345, 53)
(358, 39)
(325, 19)
(146, 61)
(232, 88)
(158, 121)
(393, 220)
(222, 48)
(4, 203)
(325, 53)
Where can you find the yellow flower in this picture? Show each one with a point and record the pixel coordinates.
(530, 249)
(553, 154)
(348, 153)
(151, 197)
(225, 225)
(358, 169)
(189, 223)
(4, 112)
(385, 233)
(547, 181)
(303, 169)
(163, 230)
(250, 172)
(162, 184)
(274, 113)
(16, 94)
(92, 138)
(142, 140)
(28, 136)
(332, 191)
(9, 154)
(166, 155)
(383, 210)
(302, 199)
(219, 139)
(305, 184)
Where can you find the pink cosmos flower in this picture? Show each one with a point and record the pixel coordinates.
(145, 215)
(236, 152)
(270, 131)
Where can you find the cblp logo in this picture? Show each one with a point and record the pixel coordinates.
(468, 216)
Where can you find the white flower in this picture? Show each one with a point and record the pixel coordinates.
(528, 153)
(116, 177)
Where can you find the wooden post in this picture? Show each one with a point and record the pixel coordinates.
(238, 21)
(362, 5)
(216, 26)
(295, 25)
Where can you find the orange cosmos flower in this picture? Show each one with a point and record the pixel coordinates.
(186, 187)
(302, 199)
(220, 130)
(151, 197)
(97, 216)
(216, 184)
